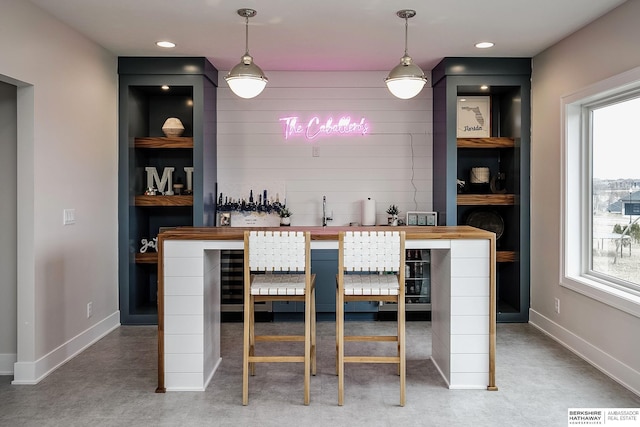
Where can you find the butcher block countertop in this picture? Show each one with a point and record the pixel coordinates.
(328, 233)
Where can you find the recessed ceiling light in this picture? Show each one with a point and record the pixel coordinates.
(164, 87)
(484, 45)
(166, 44)
(484, 87)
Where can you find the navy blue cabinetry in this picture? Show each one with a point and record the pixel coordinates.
(494, 164)
(324, 263)
(152, 89)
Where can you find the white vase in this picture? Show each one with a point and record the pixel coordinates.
(285, 220)
(173, 127)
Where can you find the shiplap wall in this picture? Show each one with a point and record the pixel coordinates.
(392, 164)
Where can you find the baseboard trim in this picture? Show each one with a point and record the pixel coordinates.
(30, 373)
(601, 360)
(6, 363)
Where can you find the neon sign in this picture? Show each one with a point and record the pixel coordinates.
(314, 128)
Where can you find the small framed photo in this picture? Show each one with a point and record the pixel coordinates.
(474, 117)
(224, 219)
(422, 218)
(412, 218)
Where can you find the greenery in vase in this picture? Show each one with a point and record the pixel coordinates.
(393, 210)
(285, 212)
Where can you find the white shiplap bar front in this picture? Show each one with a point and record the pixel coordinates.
(192, 311)
(463, 288)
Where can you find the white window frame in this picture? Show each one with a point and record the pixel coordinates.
(576, 193)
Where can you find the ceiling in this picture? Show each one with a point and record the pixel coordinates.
(327, 34)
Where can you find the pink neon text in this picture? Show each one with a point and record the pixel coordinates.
(314, 128)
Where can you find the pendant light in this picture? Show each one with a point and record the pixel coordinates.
(246, 79)
(406, 79)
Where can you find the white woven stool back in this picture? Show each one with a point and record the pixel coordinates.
(276, 251)
(372, 251)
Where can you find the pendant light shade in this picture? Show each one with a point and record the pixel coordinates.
(246, 79)
(406, 79)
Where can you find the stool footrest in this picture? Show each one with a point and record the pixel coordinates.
(376, 338)
(372, 359)
(299, 338)
(275, 359)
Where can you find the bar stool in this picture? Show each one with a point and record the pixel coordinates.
(374, 261)
(284, 258)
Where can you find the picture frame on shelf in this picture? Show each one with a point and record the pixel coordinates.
(224, 219)
(421, 218)
(473, 115)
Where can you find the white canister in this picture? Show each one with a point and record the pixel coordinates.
(369, 211)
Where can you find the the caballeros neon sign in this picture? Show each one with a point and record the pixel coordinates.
(315, 128)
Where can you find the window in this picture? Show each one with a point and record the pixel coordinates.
(615, 175)
(601, 192)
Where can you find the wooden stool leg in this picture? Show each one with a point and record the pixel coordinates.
(252, 334)
(399, 343)
(245, 354)
(402, 344)
(313, 332)
(337, 334)
(340, 340)
(307, 348)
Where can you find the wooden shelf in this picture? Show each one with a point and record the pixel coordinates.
(147, 258)
(486, 199)
(163, 201)
(497, 142)
(506, 256)
(164, 142)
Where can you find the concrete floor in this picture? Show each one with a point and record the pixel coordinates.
(112, 384)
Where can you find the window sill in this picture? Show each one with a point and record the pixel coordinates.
(614, 297)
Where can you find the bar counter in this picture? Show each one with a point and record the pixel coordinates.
(463, 286)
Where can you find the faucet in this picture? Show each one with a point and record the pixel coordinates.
(325, 218)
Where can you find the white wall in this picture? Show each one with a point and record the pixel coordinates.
(384, 165)
(67, 158)
(8, 221)
(604, 335)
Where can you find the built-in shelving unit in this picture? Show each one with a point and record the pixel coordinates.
(144, 105)
(503, 209)
(489, 199)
